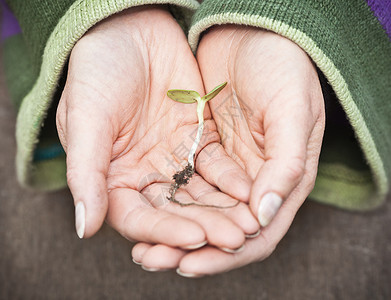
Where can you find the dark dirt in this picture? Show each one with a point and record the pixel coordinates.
(182, 178)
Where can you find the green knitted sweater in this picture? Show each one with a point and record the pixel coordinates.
(343, 37)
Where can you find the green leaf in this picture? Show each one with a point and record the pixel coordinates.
(214, 92)
(184, 96)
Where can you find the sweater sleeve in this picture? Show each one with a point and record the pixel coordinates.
(35, 61)
(348, 42)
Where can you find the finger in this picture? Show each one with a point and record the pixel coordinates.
(220, 170)
(286, 142)
(133, 217)
(195, 264)
(138, 252)
(220, 230)
(88, 143)
(241, 215)
(162, 257)
(210, 260)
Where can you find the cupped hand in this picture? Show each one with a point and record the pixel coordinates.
(124, 138)
(271, 122)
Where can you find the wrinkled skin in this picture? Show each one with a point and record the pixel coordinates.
(271, 120)
(121, 134)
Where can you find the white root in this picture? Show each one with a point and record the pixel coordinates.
(200, 114)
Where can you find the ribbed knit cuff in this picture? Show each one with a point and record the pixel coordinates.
(351, 48)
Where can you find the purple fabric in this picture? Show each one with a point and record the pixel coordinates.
(382, 11)
(10, 25)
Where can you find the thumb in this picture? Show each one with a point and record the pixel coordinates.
(286, 146)
(87, 141)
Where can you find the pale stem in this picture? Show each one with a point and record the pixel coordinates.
(200, 114)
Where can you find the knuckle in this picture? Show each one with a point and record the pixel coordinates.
(265, 253)
(310, 186)
(62, 135)
(310, 178)
(295, 169)
(71, 177)
(269, 250)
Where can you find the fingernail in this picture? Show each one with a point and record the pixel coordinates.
(136, 262)
(196, 246)
(80, 216)
(254, 235)
(151, 269)
(268, 208)
(187, 275)
(237, 250)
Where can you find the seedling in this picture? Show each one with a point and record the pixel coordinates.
(183, 177)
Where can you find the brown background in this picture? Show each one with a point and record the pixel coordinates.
(327, 254)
